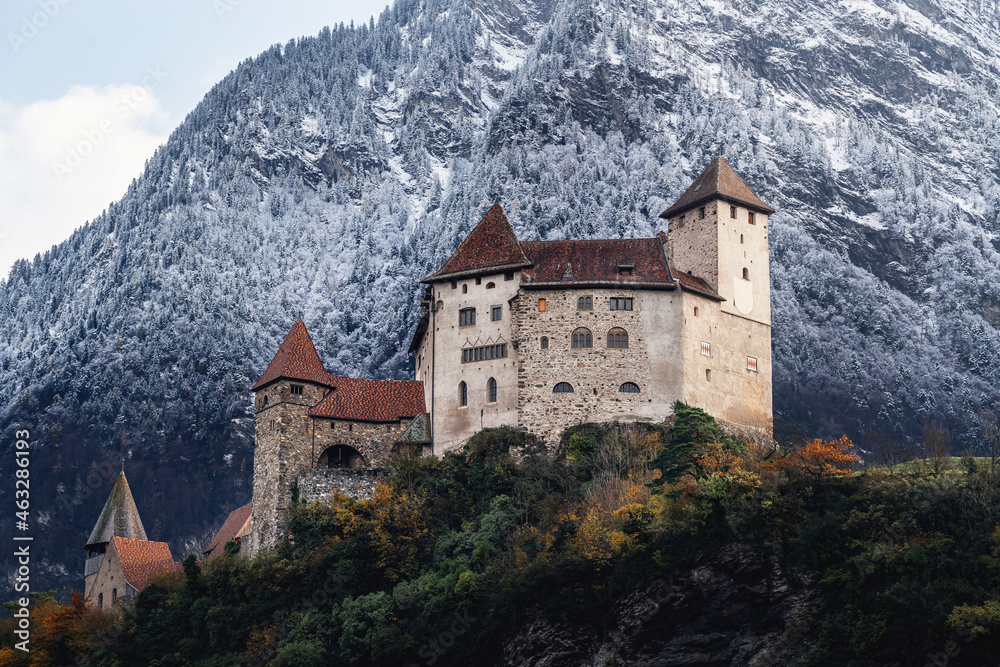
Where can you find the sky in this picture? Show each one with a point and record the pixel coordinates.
(90, 88)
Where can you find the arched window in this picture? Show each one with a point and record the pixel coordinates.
(563, 388)
(100, 599)
(114, 596)
(545, 343)
(465, 289)
(583, 338)
(708, 375)
(629, 388)
(492, 386)
(696, 311)
(490, 285)
(463, 393)
(265, 400)
(746, 273)
(341, 456)
(466, 317)
(617, 338)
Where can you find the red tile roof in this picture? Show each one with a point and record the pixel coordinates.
(491, 245)
(371, 400)
(296, 359)
(695, 284)
(235, 526)
(597, 262)
(717, 181)
(141, 559)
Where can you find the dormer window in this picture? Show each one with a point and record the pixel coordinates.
(296, 389)
(625, 271)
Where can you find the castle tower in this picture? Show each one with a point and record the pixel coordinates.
(119, 518)
(717, 231)
(293, 382)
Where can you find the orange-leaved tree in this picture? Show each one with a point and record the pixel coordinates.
(822, 458)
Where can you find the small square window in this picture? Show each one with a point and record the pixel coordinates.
(732, 211)
(479, 280)
(706, 349)
(752, 364)
(509, 275)
(296, 389)
(496, 313)
(454, 284)
(541, 305)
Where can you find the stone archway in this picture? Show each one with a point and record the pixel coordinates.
(341, 456)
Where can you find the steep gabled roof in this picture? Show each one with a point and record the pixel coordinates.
(597, 262)
(120, 517)
(296, 359)
(695, 284)
(236, 525)
(491, 245)
(371, 400)
(717, 181)
(141, 559)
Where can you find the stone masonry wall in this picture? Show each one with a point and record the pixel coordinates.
(321, 483)
(596, 373)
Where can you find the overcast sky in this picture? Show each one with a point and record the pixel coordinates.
(90, 88)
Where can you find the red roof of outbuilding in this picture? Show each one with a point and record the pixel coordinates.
(597, 262)
(296, 359)
(371, 400)
(717, 181)
(233, 527)
(141, 559)
(490, 245)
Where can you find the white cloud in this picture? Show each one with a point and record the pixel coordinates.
(63, 161)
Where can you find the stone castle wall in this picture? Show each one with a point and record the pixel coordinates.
(598, 372)
(322, 483)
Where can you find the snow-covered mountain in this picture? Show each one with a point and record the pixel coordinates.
(326, 176)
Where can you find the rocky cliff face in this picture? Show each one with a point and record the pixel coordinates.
(734, 609)
(328, 175)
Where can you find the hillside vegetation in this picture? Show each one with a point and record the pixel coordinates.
(637, 542)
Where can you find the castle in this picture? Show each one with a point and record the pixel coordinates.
(537, 335)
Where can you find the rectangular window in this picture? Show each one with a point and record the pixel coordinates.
(621, 303)
(751, 218)
(585, 303)
(484, 353)
(706, 348)
(466, 317)
(701, 213)
(752, 364)
(541, 305)
(625, 271)
(454, 284)
(732, 211)
(496, 313)
(479, 280)
(296, 389)
(509, 275)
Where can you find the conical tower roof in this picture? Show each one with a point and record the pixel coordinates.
(717, 181)
(119, 516)
(296, 359)
(491, 245)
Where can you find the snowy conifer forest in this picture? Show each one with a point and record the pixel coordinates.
(328, 175)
